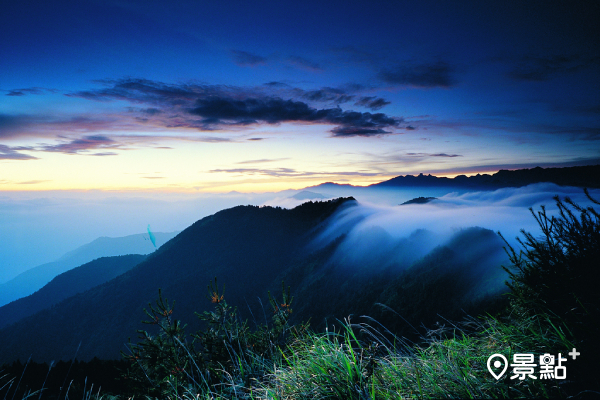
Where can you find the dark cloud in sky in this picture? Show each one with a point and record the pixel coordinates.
(347, 131)
(247, 59)
(439, 74)
(11, 153)
(151, 111)
(26, 91)
(541, 68)
(146, 91)
(243, 58)
(433, 155)
(372, 102)
(276, 84)
(326, 94)
(445, 155)
(219, 106)
(304, 63)
(83, 145)
(341, 96)
(273, 110)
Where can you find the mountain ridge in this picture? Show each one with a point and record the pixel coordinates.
(67, 284)
(583, 176)
(35, 278)
(241, 245)
(251, 250)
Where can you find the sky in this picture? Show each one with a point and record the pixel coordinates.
(192, 96)
(107, 107)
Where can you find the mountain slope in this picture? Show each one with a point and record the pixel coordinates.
(31, 280)
(246, 247)
(251, 250)
(67, 284)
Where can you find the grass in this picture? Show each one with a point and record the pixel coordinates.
(364, 361)
(451, 363)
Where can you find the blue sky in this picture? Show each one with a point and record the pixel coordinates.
(258, 96)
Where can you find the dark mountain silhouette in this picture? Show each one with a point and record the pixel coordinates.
(587, 176)
(67, 284)
(418, 200)
(246, 247)
(251, 250)
(33, 279)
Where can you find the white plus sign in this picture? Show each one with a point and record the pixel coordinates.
(574, 353)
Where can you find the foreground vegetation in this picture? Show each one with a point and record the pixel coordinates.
(554, 308)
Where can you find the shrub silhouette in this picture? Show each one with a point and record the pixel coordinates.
(558, 273)
(226, 356)
(556, 276)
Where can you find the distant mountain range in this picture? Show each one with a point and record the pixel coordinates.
(586, 176)
(33, 279)
(67, 284)
(251, 250)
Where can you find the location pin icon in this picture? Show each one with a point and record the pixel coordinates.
(497, 364)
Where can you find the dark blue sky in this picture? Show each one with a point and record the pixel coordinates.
(284, 94)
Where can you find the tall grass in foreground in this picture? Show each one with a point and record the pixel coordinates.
(359, 362)
(451, 363)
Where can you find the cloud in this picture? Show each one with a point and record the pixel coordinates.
(347, 131)
(304, 63)
(273, 110)
(542, 68)
(277, 172)
(210, 107)
(338, 96)
(9, 124)
(326, 94)
(276, 84)
(406, 158)
(35, 182)
(445, 155)
(504, 210)
(287, 172)
(439, 74)
(83, 145)
(520, 130)
(41, 125)
(26, 91)
(10, 153)
(243, 58)
(372, 102)
(263, 160)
